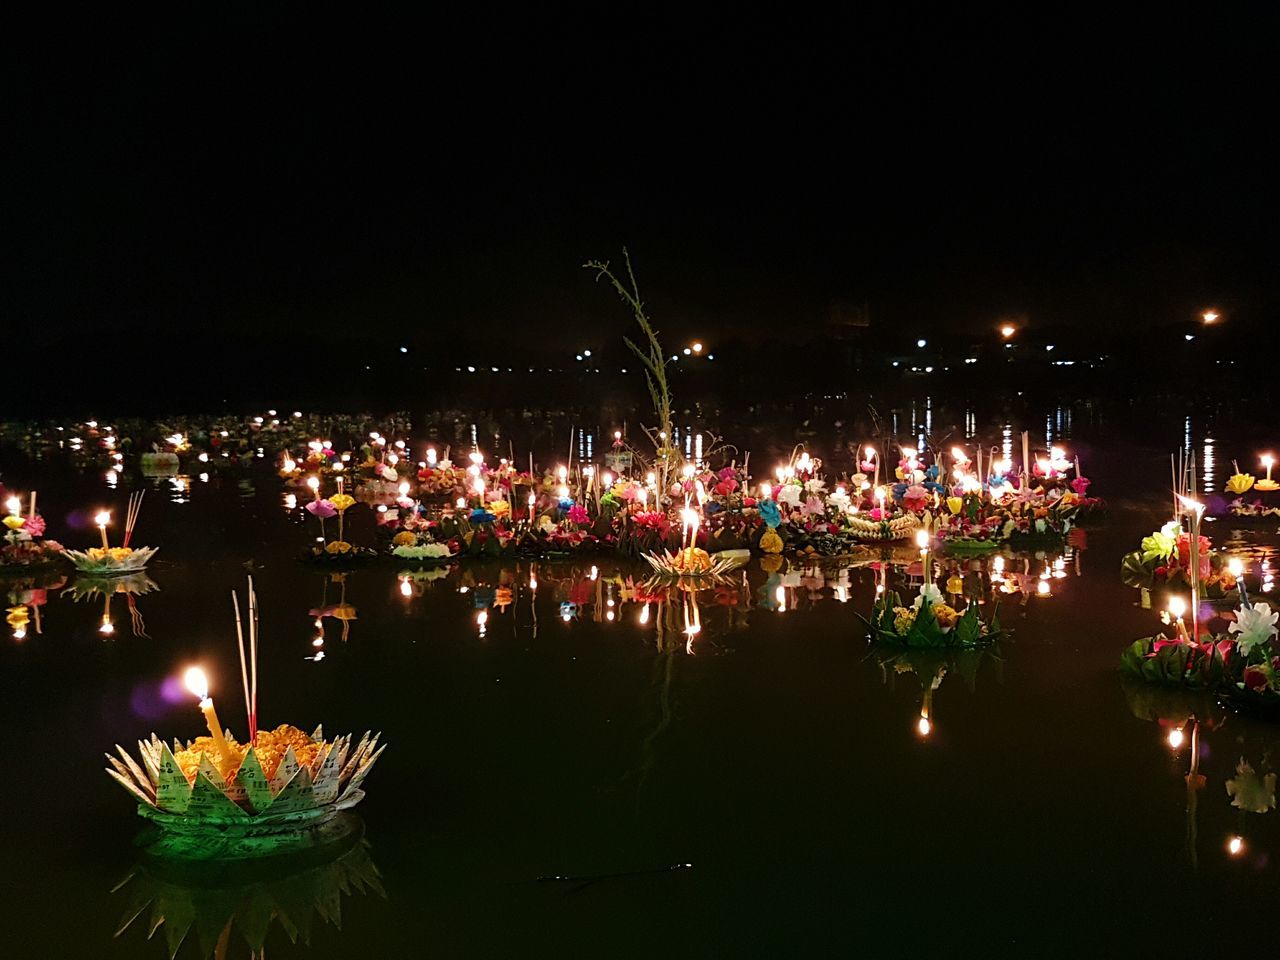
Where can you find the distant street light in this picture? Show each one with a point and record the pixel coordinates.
(1008, 330)
(1209, 316)
(921, 343)
(697, 348)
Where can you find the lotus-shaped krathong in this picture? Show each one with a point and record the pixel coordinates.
(695, 562)
(183, 792)
(111, 561)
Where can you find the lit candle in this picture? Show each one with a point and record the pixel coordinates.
(31, 510)
(198, 684)
(431, 457)
(1267, 461)
(314, 484)
(922, 541)
(14, 506)
(1177, 608)
(1235, 566)
(533, 499)
(102, 519)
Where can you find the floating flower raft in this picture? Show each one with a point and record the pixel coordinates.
(106, 561)
(287, 782)
(215, 799)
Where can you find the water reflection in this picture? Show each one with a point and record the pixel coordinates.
(220, 907)
(90, 589)
(1231, 786)
(930, 668)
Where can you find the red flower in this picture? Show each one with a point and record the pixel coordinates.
(1255, 679)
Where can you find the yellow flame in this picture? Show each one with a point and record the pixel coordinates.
(195, 681)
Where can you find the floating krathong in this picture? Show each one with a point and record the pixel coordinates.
(24, 547)
(107, 560)
(696, 562)
(215, 798)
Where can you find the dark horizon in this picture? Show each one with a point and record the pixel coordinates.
(209, 197)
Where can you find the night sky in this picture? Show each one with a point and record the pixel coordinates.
(209, 190)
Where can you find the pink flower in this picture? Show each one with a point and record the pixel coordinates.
(578, 514)
(1080, 485)
(34, 525)
(321, 509)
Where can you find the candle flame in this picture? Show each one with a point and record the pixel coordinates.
(195, 681)
(1235, 846)
(924, 726)
(1235, 566)
(922, 539)
(1177, 607)
(1175, 737)
(102, 518)
(1191, 506)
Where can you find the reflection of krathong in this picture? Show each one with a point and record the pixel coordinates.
(193, 903)
(132, 585)
(931, 668)
(1186, 718)
(108, 560)
(216, 798)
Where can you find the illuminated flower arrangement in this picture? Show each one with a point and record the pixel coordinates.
(336, 550)
(108, 560)
(224, 796)
(23, 546)
(929, 622)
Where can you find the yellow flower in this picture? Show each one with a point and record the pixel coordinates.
(120, 554)
(903, 618)
(1068, 499)
(945, 615)
(337, 546)
(14, 523)
(955, 585)
(500, 508)
(954, 504)
(404, 539)
(17, 616)
(341, 501)
(771, 542)
(1240, 482)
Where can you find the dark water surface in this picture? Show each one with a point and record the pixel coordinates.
(773, 755)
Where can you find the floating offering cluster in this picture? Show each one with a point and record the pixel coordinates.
(1207, 646)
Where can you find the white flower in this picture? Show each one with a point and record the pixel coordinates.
(790, 494)
(1255, 625)
(815, 486)
(930, 592)
(1250, 792)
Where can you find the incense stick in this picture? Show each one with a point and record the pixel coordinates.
(253, 663)
(244, 670)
